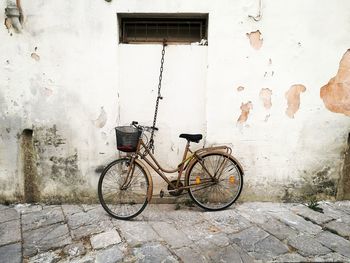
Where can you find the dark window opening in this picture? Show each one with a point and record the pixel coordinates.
(140, 28)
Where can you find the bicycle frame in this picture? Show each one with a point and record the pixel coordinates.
(184, 164)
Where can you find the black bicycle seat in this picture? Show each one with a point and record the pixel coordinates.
(191, 137)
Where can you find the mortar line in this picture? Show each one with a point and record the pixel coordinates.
(66, 222)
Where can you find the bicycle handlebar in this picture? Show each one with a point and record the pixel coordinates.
(142, 127)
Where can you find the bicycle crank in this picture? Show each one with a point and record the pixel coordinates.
(175, 192)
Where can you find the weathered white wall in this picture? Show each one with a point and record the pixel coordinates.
(81, 83)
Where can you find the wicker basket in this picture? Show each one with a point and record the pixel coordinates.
(127, 138)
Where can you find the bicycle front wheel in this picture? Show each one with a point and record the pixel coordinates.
(215, 180)
(123, 188)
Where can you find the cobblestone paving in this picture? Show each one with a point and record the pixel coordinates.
(248, 232)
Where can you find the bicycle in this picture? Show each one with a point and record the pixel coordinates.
(213, 177)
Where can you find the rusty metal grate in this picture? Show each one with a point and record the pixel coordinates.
(155, 29)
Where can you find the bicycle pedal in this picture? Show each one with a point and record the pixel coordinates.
(161, 194)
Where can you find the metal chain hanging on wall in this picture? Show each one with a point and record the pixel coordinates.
(159, 97)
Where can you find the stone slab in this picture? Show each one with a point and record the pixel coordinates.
(47, 257)
(45, 238)
(2, 207)
(290, 257)
(269, 248)
(87, 208)
(91, 258)
(270, 224)
(72, 209)
(309, 214)
(248, 238)
(229, 254)
(334, 242)
(87, 223)
(297, 222)
(307, 246)
(174, 237)
(45, 217)
(264, 207)
(332, 257)
(8, 214)
(10, 232)
(219, 240)
(189, 254)
(278, 229)
(339, 227)
(105, 239)
(153, 252)
(329, 211)
(156, 213)
(137, 232)
(110, 255)
(199, 230)
(342, 205)
(28, 208)
(11, 253)
(229, 222)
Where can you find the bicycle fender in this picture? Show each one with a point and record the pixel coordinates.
(150, 190)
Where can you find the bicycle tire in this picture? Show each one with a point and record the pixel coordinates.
(209, 197)
(123, 203)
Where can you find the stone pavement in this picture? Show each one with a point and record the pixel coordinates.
(248, 232)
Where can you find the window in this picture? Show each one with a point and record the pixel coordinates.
(180, 28)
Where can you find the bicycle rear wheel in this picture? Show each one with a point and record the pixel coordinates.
(221, 187)
(123, 196)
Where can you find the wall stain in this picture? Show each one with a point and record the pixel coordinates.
(265, 96)
(319, 185)
(48, 136)
(100, 122)
(336, 94)
(31, 189)
(47, 92)
(293, 99)
(65, 170)
(59, 177)
(245, 108)
(255, 39)
(344, 180)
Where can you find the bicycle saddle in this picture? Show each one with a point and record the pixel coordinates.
(192, 137)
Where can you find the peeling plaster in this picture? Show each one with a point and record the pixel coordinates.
(240, 88)
(257, 17)
(267, 117)
(8, 24)
(100, 122)
(35, 56)
(255, 39)
(293, 99)
(245, 108)
(336, 94)
(265, 96)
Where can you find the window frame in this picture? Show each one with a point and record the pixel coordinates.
(199, 19)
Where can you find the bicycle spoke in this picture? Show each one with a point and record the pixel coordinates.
(123, 196)
(222, 192)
